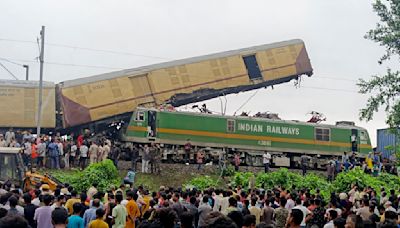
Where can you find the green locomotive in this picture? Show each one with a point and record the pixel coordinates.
(251, 136)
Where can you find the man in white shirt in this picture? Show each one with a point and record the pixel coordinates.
(302, 209)
(218, 198)
(72, 155)
(3, 142)
(41, 150)
(10, 136)
(332, 216)
(290, 202)
(83, 156)
(266, 161)
(388, 207)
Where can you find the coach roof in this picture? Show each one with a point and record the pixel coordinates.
(146, 69)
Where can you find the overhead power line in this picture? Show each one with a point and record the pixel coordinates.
(87, 49)
(63, 64)
(339, 79)
(333, 89)
(5, 68)
(12, 62)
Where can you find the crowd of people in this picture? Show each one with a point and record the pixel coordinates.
(56, 151)
(130, 206)
(78, 151)
(133, 206)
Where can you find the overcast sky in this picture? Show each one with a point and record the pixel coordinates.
(145, 32)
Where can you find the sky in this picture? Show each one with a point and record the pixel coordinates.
(90, 37)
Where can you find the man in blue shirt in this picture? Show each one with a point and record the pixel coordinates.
(75, 221)
(130, 177)
(90, 214)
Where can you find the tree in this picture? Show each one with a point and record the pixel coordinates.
(384, 89)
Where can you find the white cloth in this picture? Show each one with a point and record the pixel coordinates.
(74, 148)
(391, 209)
(41, 148)
(329, 225)
(290, 205)
(36, 201)
(218, 202)
(10, 136)
(84, 151)
(266, 158)
(60, 148)
(145, 166)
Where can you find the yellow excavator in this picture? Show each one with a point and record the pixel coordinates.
(13, 170)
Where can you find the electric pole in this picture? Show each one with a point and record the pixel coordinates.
(26, 71)
(41, 58)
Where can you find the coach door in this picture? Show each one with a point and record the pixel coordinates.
(253, 70)
(152, 124)
(354, 140)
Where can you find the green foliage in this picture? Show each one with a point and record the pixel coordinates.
(103, 173)
(202, 182)
(387, 31)
(384, 92)
(284, 178)
(390, 181)
(313, 181)
(279, 178)
(241, 179)
(385, 89)
(345, 180)
(228, 171)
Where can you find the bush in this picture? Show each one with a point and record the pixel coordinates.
(279, 178)
(202, 182)
(228, 171)
(345, 180)
(103, 173)
(391, 181)
(241, 179)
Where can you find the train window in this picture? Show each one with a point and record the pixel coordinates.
(230, 125)
(322, 134)
(139, 116)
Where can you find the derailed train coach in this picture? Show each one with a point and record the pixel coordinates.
(113, 96)
(249, 136)
(95, 102)
(19, 104)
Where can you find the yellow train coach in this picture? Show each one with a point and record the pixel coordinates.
(180, 82)
(19, 104)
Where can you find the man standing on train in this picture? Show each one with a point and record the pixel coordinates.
(267, 161)
(304, 159)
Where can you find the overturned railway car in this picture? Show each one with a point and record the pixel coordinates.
(113, 96)
(251, 136)
(19, 104)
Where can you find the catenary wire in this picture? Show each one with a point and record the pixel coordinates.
(64, 64)
(5, 68)
(87, 49)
